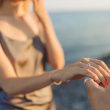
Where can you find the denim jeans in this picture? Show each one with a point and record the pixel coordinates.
(4, 104)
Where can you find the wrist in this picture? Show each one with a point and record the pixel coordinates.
(55, 79)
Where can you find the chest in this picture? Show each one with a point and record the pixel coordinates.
(19, 29)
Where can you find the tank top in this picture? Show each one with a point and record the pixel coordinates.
(28, 59)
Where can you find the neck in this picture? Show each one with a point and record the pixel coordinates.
(12, 9)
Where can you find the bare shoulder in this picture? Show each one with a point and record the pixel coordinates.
(3, 25)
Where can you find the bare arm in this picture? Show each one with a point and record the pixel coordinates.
(54, 49)
(12, 84)
(99, 97)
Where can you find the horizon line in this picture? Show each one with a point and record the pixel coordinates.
(89, 10)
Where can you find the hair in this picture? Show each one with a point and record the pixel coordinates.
(1, 2)
(26, 4)
(26, 7)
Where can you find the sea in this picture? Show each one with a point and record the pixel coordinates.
(82, 34)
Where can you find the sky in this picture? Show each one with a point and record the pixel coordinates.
(76, 5)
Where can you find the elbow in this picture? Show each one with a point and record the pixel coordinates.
(58, 66)
(9, 90)
(58, 63)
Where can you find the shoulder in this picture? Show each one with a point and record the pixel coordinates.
(3, 25)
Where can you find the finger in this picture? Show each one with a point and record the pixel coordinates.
(99, 62)
(87, 72)
(92, 72)
(98, 73)
(98, 70)
(102, 64)
(103, 72)
(84, 59)
(91, 85)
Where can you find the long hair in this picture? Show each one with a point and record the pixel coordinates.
(1, 2)
(25, 5)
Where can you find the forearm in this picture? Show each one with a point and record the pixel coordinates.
(52, 44)
(13, 86)
(18, 85)
(54, 49)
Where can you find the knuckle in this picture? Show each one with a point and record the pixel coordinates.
(97, 66)
(101, 62)
(87, 70)
(107, 75)
(83, 59)
(95, 77)
(100, 68)
(93, 68)
(101, 76)
(86, 59)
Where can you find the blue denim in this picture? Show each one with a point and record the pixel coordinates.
(4, 104)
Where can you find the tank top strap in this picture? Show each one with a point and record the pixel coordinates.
(5, 48)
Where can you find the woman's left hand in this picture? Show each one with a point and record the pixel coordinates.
(94, 65)
(93, 68)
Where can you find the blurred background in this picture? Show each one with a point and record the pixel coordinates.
(83, 28)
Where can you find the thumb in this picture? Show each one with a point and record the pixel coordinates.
(91, 84)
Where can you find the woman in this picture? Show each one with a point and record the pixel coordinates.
(53, 48)
(24, 52)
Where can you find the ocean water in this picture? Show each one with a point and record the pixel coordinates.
(82, 34)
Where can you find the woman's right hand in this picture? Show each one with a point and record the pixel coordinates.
(93, 68)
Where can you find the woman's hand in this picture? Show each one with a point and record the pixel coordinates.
(54, 50)
(96, 69)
